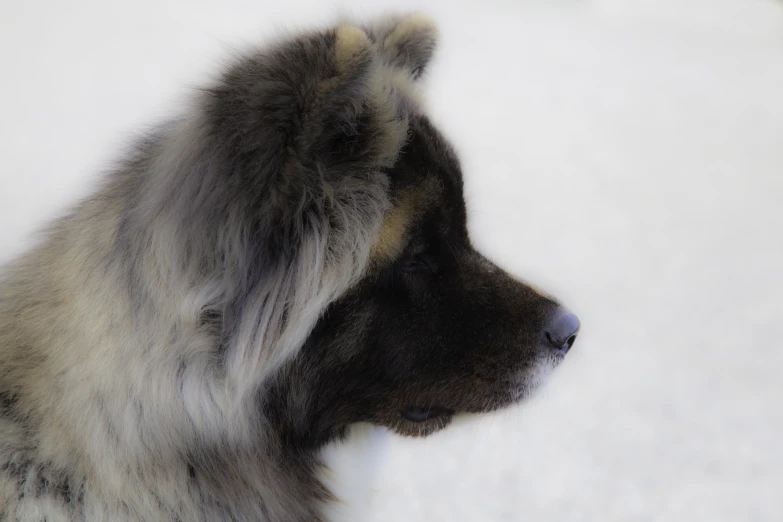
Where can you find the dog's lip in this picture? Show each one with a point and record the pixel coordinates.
(425, 413)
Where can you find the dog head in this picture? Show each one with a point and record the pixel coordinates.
(423, 327)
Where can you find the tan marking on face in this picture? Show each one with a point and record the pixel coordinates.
(394, 229)
(397, 221)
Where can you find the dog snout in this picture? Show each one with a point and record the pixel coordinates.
(561, 332)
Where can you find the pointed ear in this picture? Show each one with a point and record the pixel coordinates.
(358, 119)
(408, 42)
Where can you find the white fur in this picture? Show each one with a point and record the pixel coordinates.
(349, 471)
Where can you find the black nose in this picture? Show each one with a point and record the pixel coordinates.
(561, 332)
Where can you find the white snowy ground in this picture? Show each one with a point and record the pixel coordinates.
(626, 155)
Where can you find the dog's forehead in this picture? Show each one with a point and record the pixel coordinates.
(426, 178)
(427, 154)
(433, 162)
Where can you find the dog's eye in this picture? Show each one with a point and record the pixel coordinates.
(417, 263)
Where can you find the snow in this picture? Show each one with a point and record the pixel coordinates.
(625, 156)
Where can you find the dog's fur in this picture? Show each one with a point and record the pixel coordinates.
(289, 258)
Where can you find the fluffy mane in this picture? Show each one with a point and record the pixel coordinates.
(162, 304)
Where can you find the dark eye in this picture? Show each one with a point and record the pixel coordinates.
(417, 263)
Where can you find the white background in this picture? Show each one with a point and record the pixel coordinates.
(625, 155)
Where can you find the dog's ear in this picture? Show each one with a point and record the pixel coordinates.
(359, 120)
(294, 183)
(299, 120)
(407, 42)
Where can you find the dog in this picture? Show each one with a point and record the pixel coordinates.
(288, 259)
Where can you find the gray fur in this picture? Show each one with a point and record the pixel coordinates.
(135, 341)
(286, 261)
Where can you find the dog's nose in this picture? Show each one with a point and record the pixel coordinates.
(561, 332)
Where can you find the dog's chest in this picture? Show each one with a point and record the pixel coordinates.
(350, 469)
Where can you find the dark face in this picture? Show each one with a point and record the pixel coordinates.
(433, 330)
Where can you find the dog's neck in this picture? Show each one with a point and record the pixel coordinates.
(344, 456)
